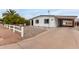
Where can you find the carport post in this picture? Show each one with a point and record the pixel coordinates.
(76, 24)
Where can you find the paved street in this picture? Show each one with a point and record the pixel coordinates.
(53, 38)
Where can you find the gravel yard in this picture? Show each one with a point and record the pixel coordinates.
(31, 31)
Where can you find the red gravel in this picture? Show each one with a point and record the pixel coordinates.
(7, 36)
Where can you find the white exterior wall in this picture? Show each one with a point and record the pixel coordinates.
(52, 22)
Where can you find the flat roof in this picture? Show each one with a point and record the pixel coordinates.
(57, 16)
(43, 16)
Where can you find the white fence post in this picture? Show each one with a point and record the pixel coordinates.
(9, 26)
(22, 31)
(13, 28)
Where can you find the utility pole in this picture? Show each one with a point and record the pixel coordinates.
(48, 12)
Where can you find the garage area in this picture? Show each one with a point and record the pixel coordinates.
(66, 21)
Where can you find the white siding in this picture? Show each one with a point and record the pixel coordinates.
(52, 22)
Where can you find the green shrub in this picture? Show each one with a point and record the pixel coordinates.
(27, 22)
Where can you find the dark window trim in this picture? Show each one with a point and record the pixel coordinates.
(46, 21)
(37, 21)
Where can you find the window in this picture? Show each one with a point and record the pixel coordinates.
(37, 21)
(46, 21)
(51, 19)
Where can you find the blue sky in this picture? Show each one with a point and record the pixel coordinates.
(29, 13)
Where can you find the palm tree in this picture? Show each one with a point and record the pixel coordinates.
(9, 12)
(11, 17)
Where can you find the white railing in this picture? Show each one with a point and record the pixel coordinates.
(15, 28)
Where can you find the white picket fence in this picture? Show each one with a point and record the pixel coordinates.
(15, 28)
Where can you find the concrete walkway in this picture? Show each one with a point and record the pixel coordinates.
(53, 38)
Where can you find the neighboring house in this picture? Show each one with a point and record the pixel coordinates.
(54, 21)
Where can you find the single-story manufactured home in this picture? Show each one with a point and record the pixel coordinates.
(54, 21)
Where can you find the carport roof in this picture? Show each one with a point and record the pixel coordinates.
(66, 17)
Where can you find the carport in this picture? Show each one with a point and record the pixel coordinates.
(66, 21)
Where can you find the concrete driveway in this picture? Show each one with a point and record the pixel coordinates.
(53, 38)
